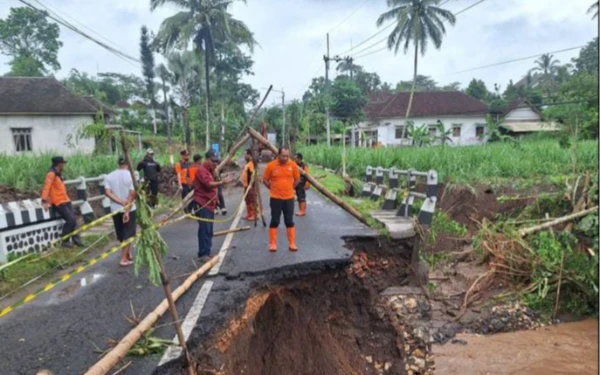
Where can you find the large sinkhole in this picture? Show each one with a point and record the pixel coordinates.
(330, 323)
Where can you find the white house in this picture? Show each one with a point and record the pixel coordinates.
(385, 114)
(520, 117)
(38, 114)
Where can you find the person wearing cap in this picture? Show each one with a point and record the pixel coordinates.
(151, 169)
(302, 186)
(184, 176)
(281, 176)
(205, 201)
(54, 194)
(246, 179)
(118, 187)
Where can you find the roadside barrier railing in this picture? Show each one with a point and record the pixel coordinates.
(25, 227)
(402, 182)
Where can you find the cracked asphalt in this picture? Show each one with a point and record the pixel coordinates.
(65, 329)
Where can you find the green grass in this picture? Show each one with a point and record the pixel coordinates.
(27, 172)
(532, 159)
(25, 270)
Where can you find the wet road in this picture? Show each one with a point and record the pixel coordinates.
(62, 329)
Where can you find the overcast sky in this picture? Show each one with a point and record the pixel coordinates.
(291, 34)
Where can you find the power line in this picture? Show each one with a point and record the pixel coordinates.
(349, 16)
(58, 12)
(68, 25)
(511, 61)
(374, 35)
(384, 39)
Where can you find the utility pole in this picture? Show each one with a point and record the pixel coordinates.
(283, 108)
(326, 58)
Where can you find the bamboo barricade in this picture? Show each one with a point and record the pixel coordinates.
(312, 181)
(119, 352)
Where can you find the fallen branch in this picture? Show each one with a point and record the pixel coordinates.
(234, 230)
(119, 352)
(560, 220)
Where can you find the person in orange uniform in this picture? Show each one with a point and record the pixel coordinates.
(246, 179)
(281, 176)
(184, 173)
(302, 186)
(54, 194)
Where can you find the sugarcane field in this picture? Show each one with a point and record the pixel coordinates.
(356, 187)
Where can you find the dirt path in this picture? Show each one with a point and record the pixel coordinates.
(569, 348)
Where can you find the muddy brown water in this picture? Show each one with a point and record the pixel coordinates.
(569, 348)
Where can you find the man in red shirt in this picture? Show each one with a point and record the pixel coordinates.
(206, 199)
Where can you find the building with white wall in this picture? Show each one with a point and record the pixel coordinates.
(38, 114)
(385, 118)
(521, 117)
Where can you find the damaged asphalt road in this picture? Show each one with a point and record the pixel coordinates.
(63, 329)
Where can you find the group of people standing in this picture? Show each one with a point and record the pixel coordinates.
(282, 177)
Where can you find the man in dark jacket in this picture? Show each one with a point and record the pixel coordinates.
(151, 169)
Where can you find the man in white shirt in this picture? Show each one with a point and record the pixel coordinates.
(118, 187)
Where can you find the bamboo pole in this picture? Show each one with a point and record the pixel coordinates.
(163, 273)
(234, 230)
(312, 181)
(119, 352)
(560, 220)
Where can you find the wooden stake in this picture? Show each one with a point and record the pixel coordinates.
(560, 220)
(234, 230)
(163, 273)
(312, 181)
(119, 352)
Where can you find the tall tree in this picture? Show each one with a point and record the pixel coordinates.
(587, 61)
(165, 76)
(347, 66)
(203, 22)
(147, 59)
(477, 89)
(422, 83)
(417, 21)
(547, 66)
(185, 66)
(31, 41)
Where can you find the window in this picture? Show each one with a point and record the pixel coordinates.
(456, 130)
(22, 138)
(479, 131)
(399, 130)
(432, 130)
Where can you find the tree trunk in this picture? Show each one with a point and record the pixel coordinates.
(207, 75)
(167, 123)
(186, 125)
(412, 91)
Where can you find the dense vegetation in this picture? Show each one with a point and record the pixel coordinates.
(492, 161)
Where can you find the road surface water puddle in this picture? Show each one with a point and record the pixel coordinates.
(70, 290)
(567, 348)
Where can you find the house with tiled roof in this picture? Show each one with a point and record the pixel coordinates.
(521, 117)
(385, 117)
(39, 114)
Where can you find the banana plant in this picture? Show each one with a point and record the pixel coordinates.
(444, 134)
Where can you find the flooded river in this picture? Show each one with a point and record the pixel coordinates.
(568, 348)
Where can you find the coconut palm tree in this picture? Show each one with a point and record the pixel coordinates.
(186, 83)
(203, 22)
(419, 22)
(165, 76)
(347, 66)
(593, 9)
(547, 66)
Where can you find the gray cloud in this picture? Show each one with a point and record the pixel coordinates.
(291, 34)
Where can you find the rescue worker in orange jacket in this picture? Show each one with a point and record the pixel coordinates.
(281, 176)
(54, 194)
(246, 179)
(302, 186)
(184, 175)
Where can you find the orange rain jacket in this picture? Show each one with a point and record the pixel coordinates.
(54, 190)
(281, 178)
(184, 172)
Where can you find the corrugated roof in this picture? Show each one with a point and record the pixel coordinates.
(39, 95)
(426, 104)
(525, 127)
